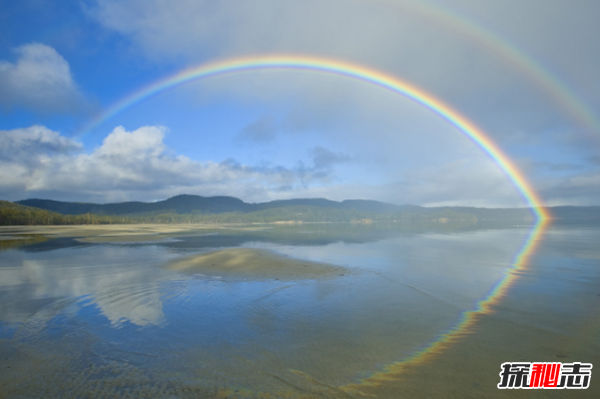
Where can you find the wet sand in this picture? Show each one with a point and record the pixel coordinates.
(255, 264)
(16, 236)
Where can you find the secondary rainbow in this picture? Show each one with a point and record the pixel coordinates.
(499, 46)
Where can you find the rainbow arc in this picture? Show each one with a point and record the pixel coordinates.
(407, 90)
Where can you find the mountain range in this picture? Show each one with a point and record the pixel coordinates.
(194, 204)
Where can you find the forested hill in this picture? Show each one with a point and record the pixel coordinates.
(12, 214)
(184, 204)
(179, 204)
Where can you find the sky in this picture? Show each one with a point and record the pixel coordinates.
(524, 72)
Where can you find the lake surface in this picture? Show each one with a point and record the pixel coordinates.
(106, 317)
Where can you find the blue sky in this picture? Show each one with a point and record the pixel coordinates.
(287, 134)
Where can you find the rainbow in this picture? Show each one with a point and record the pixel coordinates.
(339, 68)
(419, 96)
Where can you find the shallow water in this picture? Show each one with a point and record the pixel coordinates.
(93, 319)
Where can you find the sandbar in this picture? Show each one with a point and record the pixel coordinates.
(256, 264)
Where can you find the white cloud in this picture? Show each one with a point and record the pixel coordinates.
(40, 79)
(34, 142)
(132, 165)
(26, 153)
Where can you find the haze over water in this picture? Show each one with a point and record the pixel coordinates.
(90, 319)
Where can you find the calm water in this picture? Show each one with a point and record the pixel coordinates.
(94, 320)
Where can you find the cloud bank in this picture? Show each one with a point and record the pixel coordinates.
(128, 165)
(138, 165)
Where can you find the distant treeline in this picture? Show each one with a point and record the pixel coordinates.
(15, 214)
(12, 214)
